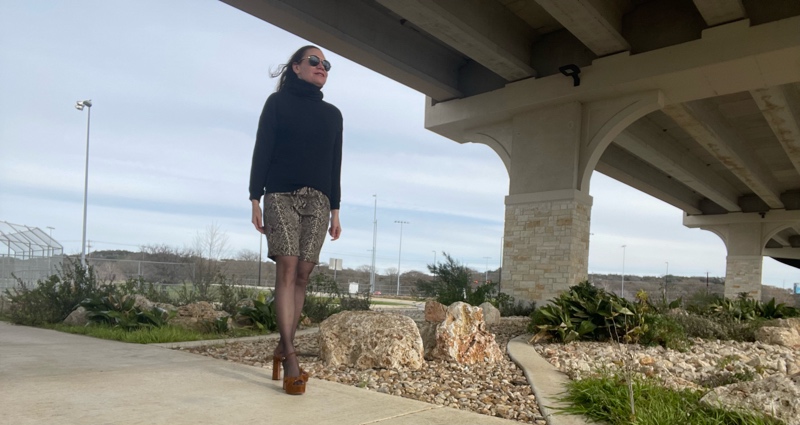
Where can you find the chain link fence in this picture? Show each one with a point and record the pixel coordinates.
(26, 253)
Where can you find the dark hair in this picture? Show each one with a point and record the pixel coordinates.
(285, 72)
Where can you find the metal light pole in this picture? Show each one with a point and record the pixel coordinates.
(374, 244)
(79, 106)
(502, 253)
(622, 291)
(400, 252)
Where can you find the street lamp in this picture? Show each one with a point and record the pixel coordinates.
(400, 252)
(622, 291)
(79, 106)
(374, 243)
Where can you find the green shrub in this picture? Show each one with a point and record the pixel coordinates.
(665, 331)
(695, 326)
(322, 298)
(121, 311)
(53, 299)
(360, 302)
(771, 310)
(451, 283)
(262, 313)
(507, 306)
(589, 313)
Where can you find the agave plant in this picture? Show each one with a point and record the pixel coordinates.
(120, 310)
(262, 313)
(589, 313)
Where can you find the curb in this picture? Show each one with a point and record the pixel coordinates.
(547, 382)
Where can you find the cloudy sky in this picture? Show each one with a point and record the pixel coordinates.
(178, 87)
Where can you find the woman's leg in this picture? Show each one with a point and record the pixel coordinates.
(304, 269)
(285, 282)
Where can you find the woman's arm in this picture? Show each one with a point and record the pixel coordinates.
(336, 228)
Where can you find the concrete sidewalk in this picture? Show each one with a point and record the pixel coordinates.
(49, 377)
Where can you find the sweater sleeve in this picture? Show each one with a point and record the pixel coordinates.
(265, 145)
(336, 172)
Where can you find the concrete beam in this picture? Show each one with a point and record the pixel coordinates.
(644, 140)
(717, 12)
(626, 168)
(776, 103)
(596, 23)
(793, 253)
(776, 217)
(709, 129)
(781, 240)
(728, 59)
(483, 30)
(366, 35)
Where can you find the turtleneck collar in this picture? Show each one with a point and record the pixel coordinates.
(302, 88)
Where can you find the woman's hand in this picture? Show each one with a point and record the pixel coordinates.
(257, 221)
(336, 228)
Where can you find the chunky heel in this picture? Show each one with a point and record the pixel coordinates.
(295, 385)
(276, 367)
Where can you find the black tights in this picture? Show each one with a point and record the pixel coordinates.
(290, 294)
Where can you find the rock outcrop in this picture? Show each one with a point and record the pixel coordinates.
(370, 340)
(775, 396)
(462, 337)
(197, 316)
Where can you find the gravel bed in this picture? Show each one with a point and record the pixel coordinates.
(497, 390)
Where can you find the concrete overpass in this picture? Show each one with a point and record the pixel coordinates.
(695, 102)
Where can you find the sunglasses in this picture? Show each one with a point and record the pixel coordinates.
(313, 60)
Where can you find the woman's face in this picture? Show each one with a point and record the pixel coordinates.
(316, 75)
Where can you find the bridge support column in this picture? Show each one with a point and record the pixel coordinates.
(744, 261)
(546, 243)
(550, 153)
(747, 236)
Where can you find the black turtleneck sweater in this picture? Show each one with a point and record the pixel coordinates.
(298, 144)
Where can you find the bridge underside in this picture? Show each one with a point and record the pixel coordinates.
(696, 103)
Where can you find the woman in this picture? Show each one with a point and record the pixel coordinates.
(296, 167)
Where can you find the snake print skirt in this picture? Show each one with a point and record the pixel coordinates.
(296, 223)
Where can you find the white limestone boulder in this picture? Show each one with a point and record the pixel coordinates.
(78, 317)
(435, 311)
(370, 340)
(775, 396)
(462, 337)
(491, 315)
(783, 336)
(198, 316)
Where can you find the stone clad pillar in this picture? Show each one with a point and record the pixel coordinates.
(743, 274)
(744, 261)
(546, 243)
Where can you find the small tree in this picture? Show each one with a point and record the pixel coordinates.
(451, 283)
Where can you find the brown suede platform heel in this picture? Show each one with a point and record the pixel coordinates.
(276, 369)
(294, 385)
